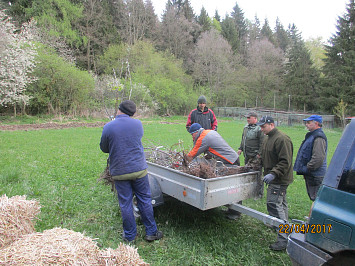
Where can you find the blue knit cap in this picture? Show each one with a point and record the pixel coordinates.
(194, 128)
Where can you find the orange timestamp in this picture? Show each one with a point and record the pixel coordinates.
(305, 228)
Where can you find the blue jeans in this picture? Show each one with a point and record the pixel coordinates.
(140, 187)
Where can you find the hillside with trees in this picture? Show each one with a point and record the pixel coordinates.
(81, 58)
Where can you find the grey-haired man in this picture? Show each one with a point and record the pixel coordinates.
(311, 160)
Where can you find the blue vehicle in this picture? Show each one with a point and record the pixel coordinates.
(328, 237)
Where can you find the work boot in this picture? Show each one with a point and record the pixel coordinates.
(126, 241)
(278, 245)
(158, 235)
(232, 214)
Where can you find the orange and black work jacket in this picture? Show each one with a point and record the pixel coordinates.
(211, 142)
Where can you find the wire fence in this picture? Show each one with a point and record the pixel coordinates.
(280, 117)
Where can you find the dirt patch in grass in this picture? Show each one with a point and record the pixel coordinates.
(51, 125)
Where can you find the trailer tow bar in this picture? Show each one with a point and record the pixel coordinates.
(265, 218)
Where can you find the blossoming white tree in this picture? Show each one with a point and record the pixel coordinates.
(17, 54)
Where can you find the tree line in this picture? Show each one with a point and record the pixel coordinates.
(80, 56)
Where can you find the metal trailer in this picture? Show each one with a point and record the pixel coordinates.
(206, 194)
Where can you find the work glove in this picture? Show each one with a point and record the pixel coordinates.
(268, 178)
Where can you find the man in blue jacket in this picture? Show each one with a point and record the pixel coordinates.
(311, 160)
(121, 138)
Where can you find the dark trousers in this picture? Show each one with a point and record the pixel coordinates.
(313, 184)
(140, 187)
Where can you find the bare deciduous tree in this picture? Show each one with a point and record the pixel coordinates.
(140, 20)
(214, 63)
(177, 33)
(264, 63)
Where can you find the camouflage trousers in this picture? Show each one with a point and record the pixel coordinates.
(277, 206)
(254, 163)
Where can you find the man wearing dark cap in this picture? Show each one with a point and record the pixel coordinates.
(121, 138)
(212, 143)
(202, 115)
(311, 160)
(277, 154)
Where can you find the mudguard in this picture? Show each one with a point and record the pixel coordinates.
(157, 194)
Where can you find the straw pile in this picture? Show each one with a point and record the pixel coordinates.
(54, 246)
(21, 245)
(65, 247)
(17, 216)
(123, 255)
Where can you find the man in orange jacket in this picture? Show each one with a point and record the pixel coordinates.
(212, 143)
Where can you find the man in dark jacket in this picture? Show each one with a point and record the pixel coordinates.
(202, 115)
(311, 160)
(277, 153)
(121, 138)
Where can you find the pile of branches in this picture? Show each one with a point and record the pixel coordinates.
(199, 167)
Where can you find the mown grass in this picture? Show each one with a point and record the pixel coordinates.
(60, 169)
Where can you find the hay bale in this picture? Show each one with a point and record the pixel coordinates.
(123, 255)
(55, 246)
(17, 218)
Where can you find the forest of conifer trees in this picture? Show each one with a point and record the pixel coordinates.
(79, 57)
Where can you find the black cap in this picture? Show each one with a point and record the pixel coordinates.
(264, 120)
(128, 107)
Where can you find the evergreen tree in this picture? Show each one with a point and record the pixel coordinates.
(182, 7)
(281, 36)
(204, 20)
(188, 11)
(267, 32)
(17, 9)
(230, 32)
(254, 30)
(217, 16)
(301, 77)
(339, 66)
(239, 20)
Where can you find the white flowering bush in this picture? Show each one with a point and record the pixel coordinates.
(17, 54)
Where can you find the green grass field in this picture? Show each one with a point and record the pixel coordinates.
(60, 168)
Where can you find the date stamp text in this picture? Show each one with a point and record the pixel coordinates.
(305, 228)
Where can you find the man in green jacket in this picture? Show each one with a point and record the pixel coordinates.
(277, 154)
(252, 138)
